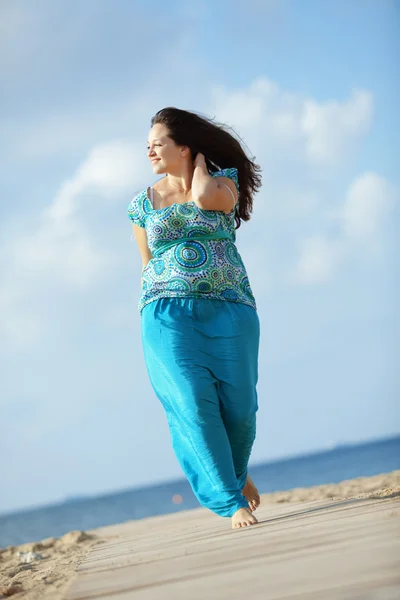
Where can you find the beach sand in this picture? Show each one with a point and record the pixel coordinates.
(50, 577)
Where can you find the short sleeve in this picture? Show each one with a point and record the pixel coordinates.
(231, 173)
(136, 209)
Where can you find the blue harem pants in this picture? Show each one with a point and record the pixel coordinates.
(202, 356)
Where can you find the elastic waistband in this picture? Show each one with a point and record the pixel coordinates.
(218, 235)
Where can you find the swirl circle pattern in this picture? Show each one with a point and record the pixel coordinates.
(194, 254)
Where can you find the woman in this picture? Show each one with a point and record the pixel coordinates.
(200, 328)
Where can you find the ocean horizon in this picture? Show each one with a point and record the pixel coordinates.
(83, 512)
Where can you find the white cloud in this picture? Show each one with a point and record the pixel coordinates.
(63, 249)
(286, 126)
(361, 218)
(302, 144)
(109, 169)
(369, 201)
(318, 259)
(330, 128)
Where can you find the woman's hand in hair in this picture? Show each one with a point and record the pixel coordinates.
(212, 193)
(200, 160)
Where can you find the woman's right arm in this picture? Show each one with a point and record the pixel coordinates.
(141, 240)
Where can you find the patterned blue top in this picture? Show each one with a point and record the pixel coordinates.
(194, 252)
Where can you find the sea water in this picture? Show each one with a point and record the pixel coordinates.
(330, 466)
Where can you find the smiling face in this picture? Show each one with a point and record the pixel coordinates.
(165, 156)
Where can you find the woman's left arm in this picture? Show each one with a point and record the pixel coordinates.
(212, 193)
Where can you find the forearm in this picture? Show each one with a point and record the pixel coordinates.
(203, 186)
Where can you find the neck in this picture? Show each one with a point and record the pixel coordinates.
(182, 181)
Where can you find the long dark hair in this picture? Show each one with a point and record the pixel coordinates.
(221, 149)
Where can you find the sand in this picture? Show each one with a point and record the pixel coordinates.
(49, 575)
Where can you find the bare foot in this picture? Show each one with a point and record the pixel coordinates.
(243, 518)
(251, 494)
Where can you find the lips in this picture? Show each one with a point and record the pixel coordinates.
(155, 160)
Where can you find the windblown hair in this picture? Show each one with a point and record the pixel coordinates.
(221, 149)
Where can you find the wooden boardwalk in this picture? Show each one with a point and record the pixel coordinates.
(347, 550)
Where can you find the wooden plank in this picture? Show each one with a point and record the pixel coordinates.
(308, 551)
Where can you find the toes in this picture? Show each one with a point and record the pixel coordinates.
(240, 525)
(244, 524)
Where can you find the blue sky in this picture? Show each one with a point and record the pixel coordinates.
(313, 88)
